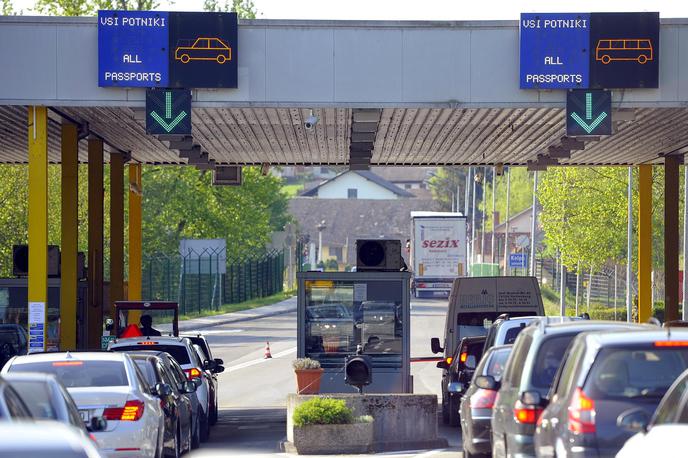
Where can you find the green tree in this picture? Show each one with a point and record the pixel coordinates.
(520, 194)
(245, 9)
(90, 7)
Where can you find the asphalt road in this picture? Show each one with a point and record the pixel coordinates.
(253, 390)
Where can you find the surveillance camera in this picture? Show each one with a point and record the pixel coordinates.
(310, 121)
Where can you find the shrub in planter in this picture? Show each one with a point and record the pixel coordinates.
(323, 411)
(327, 426)
(308, 373)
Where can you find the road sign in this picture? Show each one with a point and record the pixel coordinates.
(203, 50)
(105, 340)
(518, 260)
(554, 50)
(167, 49)
(133, 48)
(624, 50)
(168, 111)
(589, 50)
(588, 112)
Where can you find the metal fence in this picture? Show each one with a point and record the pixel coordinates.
(206, 280)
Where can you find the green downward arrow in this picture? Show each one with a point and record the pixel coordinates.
(168, 126)
(588, 115)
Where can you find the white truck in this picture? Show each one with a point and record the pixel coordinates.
(438, 251)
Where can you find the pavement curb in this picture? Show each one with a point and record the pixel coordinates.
(255, 314)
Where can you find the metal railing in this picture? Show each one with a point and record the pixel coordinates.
(207, 280)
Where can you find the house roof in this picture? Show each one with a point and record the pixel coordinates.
(404, 174)
(356, 218)
(368, 175)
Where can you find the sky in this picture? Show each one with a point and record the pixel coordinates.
(428, 9)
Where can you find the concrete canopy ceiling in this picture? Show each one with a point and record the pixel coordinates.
(405, 136)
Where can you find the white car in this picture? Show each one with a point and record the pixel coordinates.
(108, 385)
(51, 439)
(181, 349)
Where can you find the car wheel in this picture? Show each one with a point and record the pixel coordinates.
(445, 412)
(185, 58)
(213, 415)
(196, 434)
(453, 411)
(205, 428)
(175, 452)
(189, 436)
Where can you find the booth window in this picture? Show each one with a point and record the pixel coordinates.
(337, 322)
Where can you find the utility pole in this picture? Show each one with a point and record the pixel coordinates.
(467, 191)
(562, 291)
(482, 216)
(494, 193)
(578, 275)
(533, 225)
(506, 230)
(685, 242)
(473, 222)
(629, 251)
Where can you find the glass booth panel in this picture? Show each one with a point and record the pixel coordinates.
(340, 315)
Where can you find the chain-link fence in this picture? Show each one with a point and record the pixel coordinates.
(206, 280)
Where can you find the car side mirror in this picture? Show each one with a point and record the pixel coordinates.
(210, 365)
(435, 345)
(219, 361)
(162, 390)
(219, 369)
(97, 424)
(465, 376)
(531, 398)
(486, 382)
(634, 420)
(442, 364)
(189, 387)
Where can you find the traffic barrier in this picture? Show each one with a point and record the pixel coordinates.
(268, 355)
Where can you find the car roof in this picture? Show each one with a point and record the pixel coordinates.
(617, 337)
(53, 436)
(561, 327)
(60, 356)
(166, 340)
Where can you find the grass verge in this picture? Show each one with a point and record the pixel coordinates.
(247, 305)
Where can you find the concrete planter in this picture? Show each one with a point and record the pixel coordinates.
(308, 380)
(333, 439)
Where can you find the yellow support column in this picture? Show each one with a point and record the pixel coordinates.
(135, 197)
(70, 235)
(94, 312)
(116, 228)
(38, 227)
(644, 243)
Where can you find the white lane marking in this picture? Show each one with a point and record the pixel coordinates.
(213, 331)
(260, 361)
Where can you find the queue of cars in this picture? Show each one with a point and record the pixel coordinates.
(572, 387)
(144, 397)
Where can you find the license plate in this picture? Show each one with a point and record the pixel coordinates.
(85, 415)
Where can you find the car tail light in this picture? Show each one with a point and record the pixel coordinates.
(581, 413)
(463, 357)
(449, 359)
(671, 343)
(192, 373)
(483, 399)
(421, 285)
(132, 411)
(526, 414)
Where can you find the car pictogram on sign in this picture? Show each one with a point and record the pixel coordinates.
(634, 49)
(204, 49)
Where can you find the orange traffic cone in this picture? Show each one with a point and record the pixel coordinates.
(268, 355)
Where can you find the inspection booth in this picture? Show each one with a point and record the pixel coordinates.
(337, 311)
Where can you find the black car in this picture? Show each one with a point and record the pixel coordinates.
(456, 375)
(604, 376)
(12, 407)
(13, 342)
(174, 399)
(214, 367)
(477, 403)
(505, 329)
(532, 365)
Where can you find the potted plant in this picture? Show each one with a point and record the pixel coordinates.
(308, 373)
(326, 426)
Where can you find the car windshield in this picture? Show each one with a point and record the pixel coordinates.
(548, 359)
(496, 364)
(36, 396)
(641, 371)
(178, 352)
(79, 373)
